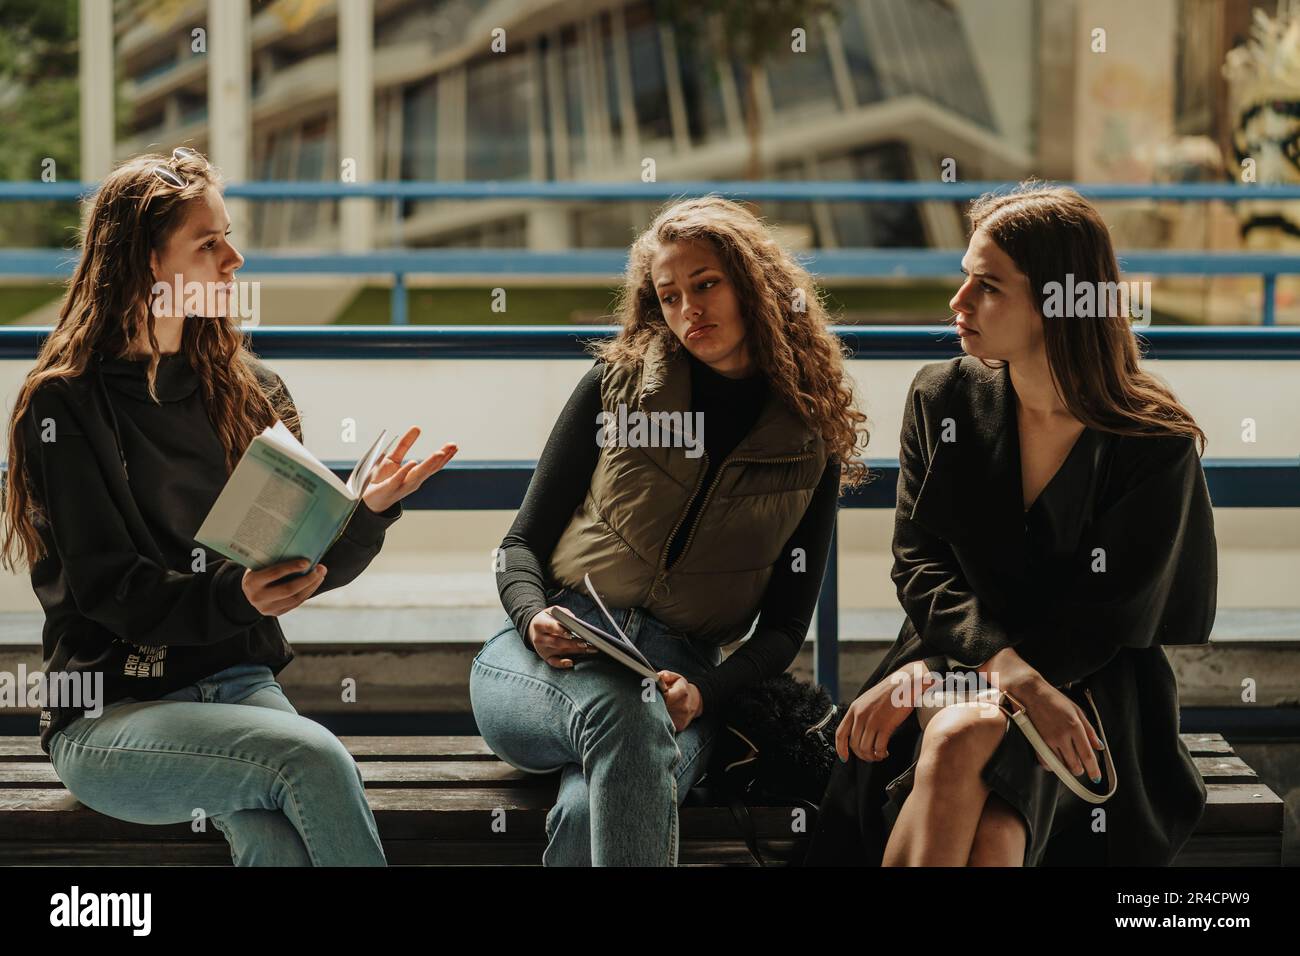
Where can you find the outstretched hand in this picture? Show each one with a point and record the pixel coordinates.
(395, 478)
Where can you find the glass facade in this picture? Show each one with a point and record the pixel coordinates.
(499, 92)
(801, 83)
(701, 82)
(568, 99)
(649, 79)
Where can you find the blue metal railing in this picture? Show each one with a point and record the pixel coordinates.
(868, 263)
(500, 485)
(1188, 343)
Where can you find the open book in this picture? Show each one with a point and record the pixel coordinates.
(616, 645)
(281, 503)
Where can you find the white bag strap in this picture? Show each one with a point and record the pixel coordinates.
(1021, 719)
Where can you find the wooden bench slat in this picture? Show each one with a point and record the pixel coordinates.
(434, 799)
(431, 774)
(400, 813)
(1225, 769)
(373, 747)
(1203, 745)
(467, 772)
(461, 747)
(1241, 808)
(404, 812)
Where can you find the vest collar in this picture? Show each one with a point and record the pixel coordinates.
(665, 386)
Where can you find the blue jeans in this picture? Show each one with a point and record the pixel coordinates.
(282, 789)
(623, 769)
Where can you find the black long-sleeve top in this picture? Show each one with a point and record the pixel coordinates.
(127, 592)
(563, 476)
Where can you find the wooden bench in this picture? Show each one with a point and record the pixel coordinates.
(435, 800)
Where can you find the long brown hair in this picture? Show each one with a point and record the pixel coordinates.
(802, 359)
(106, 307)
(1049, 232)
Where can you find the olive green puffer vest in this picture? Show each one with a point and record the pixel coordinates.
(638, 497)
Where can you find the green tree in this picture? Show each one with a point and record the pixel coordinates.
(38, 113)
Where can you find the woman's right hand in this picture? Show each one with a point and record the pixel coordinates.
(872, 719)
(553, 643)
(272, 598)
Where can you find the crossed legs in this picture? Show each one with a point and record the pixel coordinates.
(951, 818)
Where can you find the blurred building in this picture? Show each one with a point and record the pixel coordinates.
(886, 89)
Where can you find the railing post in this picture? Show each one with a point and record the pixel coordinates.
(1270, 298)
(397, 308)
(826, 652)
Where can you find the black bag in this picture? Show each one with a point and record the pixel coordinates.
(777, 748)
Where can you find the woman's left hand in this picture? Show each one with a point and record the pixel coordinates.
(395, 479)
(683, 698)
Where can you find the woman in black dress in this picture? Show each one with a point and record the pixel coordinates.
(1053, 529)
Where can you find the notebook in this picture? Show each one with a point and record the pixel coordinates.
(615, 645)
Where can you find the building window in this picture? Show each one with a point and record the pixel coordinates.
(315, 157)
(706, 117)
(649, 82)
(873, 225)
(795, 217)
(572, 68)
(602, 226)
(857, 54)
(803, 82)
(499, 96)
(613, 101)
(920, 47)
(419, 135)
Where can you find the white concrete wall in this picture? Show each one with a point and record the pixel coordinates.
(505, 410)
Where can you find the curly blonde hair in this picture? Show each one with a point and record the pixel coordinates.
(793, 346)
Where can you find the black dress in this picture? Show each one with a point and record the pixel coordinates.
(1053, 526)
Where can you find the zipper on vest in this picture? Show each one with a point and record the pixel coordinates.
(663, 568)
(663, 556)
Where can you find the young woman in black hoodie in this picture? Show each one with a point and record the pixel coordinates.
(122, 436)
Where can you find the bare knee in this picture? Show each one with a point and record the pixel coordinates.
(959, 740)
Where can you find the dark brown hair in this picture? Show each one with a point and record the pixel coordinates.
(107, 307)
(1049, 232)
(795, 348)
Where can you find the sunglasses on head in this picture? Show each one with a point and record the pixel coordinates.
(169, 175)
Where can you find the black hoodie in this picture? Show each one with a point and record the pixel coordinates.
(124, 483)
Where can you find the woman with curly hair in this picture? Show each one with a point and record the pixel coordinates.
(122, 437)
(688, 539)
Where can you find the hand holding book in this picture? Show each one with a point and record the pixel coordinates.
(281, 587)
(282, 509)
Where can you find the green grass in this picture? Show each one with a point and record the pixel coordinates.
(564, 305)
(18, 300)
(524, 305)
